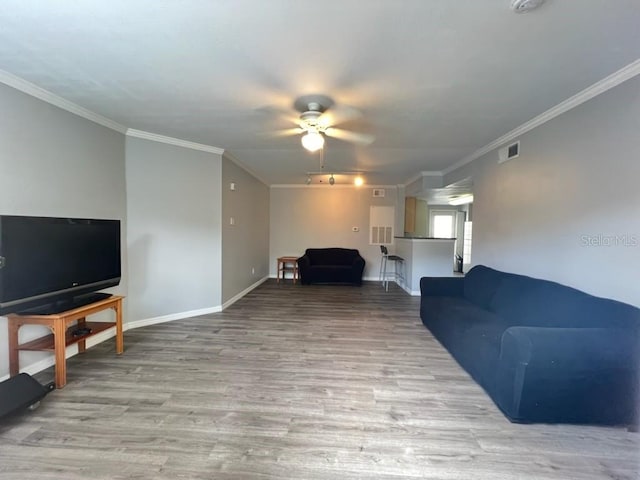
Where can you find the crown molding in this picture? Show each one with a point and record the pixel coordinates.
(420, 175)
(229, 156)
(607, 83)
(154, 137)
(53, 99)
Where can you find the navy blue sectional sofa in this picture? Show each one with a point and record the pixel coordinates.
(331, 265)
(544, 352)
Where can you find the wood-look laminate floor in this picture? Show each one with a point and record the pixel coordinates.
(293, 382)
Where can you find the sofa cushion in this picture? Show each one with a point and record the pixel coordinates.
(332, 256)
(480, 284)
(331, 273)
(527, 301)
(452, 317)
(472, 335)
(522, 300)
(604, 312)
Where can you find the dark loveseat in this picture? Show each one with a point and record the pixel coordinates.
(331, 265)
(544, 352)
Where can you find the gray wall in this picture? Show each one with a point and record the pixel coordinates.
(54, 163)
(245, 245)
(174, 237)
(568, 209)
(309, 217)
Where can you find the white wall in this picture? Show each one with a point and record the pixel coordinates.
(245, 245)
(174, 237)
(316, 217)
(54, 163)
(568, 209)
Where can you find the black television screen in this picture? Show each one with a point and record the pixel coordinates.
(46, 261)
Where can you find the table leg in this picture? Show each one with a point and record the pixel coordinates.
(60, 347)
(14, 353)
(119, 336)
(82, 344)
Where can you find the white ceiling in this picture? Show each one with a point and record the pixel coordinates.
(435, 80)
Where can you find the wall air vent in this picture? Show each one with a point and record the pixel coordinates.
(509, 152)
(378, 192)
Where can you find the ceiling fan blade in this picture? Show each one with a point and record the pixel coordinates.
(283, 133)
(281, 112)
(347, 136)
(338, 114)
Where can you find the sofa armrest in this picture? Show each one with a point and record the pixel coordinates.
(358, 262)
(304, 262)
(570, 348)
(442, 286)
(575, 375)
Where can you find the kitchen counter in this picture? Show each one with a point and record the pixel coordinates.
(425, 238)
(425, 257)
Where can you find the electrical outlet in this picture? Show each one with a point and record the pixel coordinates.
(253, 271)
(232, 221)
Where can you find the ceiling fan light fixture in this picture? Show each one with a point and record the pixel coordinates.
(358, 181)
(312, 141)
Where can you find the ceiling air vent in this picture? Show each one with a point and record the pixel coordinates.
(509, 152)
(524, 6)
(378, 192)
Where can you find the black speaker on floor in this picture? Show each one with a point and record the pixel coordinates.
(21, 392)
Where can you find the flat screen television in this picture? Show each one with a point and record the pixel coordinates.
(49, 265)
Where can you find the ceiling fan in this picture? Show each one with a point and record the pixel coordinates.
(318, 117)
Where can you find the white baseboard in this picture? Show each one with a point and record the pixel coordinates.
(237, 297)
(413, 293)
(171, 317)
(72, 350)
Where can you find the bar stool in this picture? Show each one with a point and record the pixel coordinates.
(397, 275)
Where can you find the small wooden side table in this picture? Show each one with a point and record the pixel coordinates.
(61, 337)
(287, 264)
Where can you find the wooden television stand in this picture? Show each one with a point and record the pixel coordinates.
(62, 336)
